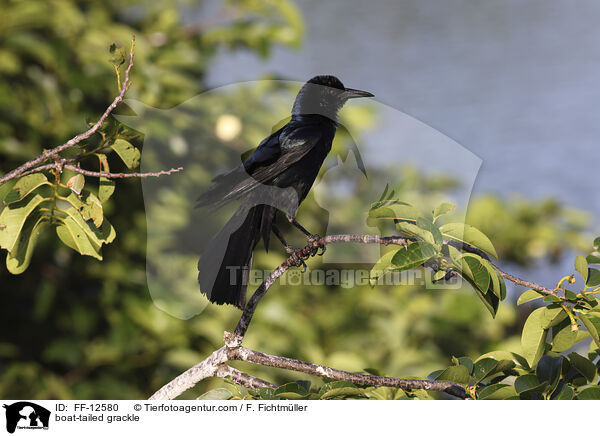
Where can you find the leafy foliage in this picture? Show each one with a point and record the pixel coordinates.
(68, 202)
(428, 248)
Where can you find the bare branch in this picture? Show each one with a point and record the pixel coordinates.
(121, 175)
(213, 366)
(241, 378)
(52, 153)
(541, 289)
(207, 368)
(246, 355)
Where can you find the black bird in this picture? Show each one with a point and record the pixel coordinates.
(277, 176)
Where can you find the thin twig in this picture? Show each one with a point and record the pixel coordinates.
(101, 174)
(121, 175)
(527, 284)
(49, 154)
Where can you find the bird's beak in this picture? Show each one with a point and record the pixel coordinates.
(356, 93)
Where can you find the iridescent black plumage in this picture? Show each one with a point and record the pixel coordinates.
(278, 175)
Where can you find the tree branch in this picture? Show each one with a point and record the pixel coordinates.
(241, 378)
(246, 355)
(541, 289)
(213, 365)
(34, 164)
(250, 307)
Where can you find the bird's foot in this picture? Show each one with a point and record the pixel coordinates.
(296, 258)
(316, 246)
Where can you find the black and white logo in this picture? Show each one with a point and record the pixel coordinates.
(26, 415)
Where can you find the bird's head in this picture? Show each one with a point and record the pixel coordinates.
(324, 95)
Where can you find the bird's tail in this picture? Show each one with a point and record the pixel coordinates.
(224, 268)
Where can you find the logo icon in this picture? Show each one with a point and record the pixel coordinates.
(26, 415)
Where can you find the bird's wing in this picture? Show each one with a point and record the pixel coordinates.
(293, 146)
(274, 155)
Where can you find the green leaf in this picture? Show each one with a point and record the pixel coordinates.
(472, 266)
(103, 234)
(593, 257)
(83, 236)
(216, 394)
(398, 211)
(92, 210)
(5, 188)
(533, 336)
(569, 295)
(413, 256)
(565, 338)
(562, 392)
(24, 186)
(529, 383)
(500, 355)
(383, 265)
(340, 389)
(548, 370)
(305, 384)
(12, 220)
(497, 392)
(266, 393)
(592, 324)
(76, 183)
(585, 367)
(75, 237)
(291, 391)
(442, 209)
(439, 275)
(551, 299)
(496, 281)
(411, 229)
(466, 362)
(127, 152)
(591, 393)
(529, 295)
(593, 277)
(553, 316)
(489, 299)
(470, 235)
(106, 186)
(19, 258)
(483, 368)
(581, 266)
(456, 374)
(502, 284)
(106, 189)
(429, 227)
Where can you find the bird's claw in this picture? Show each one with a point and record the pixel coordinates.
(314, 241)
(297, 258)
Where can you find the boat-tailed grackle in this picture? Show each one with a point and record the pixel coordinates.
(277, 176)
